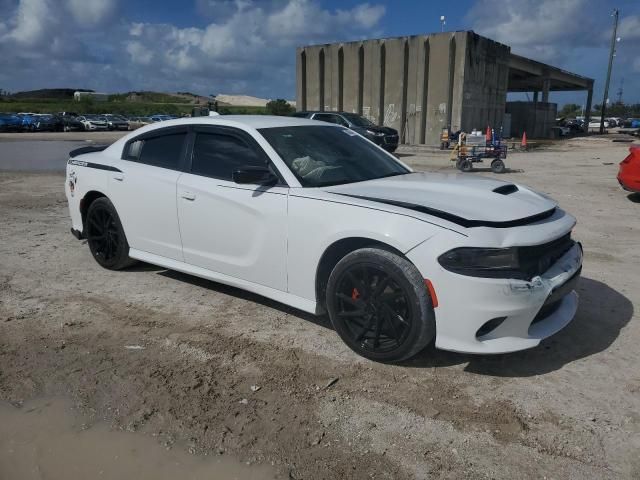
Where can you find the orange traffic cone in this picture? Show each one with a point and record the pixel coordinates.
(488, 134)
(523, 143)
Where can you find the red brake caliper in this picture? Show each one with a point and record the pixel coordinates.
(355, 294)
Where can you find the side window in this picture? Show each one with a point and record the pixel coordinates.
(323, 117)
(341, 121)
(163, 151)
(133, 150)
(218, 155)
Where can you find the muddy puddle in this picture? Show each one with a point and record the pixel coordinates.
(46, 439)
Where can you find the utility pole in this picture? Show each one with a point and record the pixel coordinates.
(620, 90)
(612, 53)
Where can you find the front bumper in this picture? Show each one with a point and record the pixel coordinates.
(467, 303)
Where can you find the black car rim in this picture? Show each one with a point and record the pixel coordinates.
(373, 308)
(103, 234)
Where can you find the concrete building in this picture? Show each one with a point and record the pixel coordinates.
(424, 83)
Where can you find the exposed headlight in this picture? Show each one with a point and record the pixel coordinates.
(375, 134)
(483, 262)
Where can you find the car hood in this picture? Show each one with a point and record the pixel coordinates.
(461, 198)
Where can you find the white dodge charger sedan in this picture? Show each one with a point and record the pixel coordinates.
(317, 217)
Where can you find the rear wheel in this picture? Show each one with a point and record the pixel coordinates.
(464, 164)
(379, 305)
(105, 235)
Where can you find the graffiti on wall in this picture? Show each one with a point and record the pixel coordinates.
(390, 114)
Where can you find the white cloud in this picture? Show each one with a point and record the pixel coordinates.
(247, 46)
(31, 23)
(629, 29)
(542, 29)
(368, 16)
(91, 12)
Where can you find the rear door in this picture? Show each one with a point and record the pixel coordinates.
(144, 193)
(236, 230)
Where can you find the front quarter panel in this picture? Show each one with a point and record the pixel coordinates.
(315, 224)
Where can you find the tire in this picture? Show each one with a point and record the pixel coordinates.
(387, 325)
(497, 166)
(105, 236)
(464, 165)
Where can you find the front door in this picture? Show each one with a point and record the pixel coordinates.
(236, 230)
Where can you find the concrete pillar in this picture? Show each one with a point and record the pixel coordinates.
(546, 85)
(587, 111)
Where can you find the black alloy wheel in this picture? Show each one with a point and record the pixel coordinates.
(379, 305)
(106, 238)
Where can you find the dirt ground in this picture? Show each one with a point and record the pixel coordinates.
(176, 357)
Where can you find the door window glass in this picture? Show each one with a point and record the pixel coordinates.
(219, 155)
(163, 151)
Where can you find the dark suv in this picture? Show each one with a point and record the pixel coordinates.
(386, 137)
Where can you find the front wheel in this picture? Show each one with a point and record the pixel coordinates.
(105, 235)
(498, 166)
(379, 305)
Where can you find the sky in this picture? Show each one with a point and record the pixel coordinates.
(248, 46)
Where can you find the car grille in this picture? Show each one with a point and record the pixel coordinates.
(392, 139)
(536, 260)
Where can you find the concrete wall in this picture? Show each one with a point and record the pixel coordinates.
(417, 85)
(534, 118)
(486, 79)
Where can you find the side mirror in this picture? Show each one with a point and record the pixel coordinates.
(254, 175)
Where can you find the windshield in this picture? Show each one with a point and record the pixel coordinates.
(357, 120)
(321, 156)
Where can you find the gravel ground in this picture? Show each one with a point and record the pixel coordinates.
(567, 409)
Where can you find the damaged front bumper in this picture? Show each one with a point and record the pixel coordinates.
(483, 315)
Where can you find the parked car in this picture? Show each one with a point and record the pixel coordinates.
(160, 118)
(629, 173)
(29, 121)
(43, 122)
(92, 122)
(575, 126)
(385, 137)
(10, 122)
(70, 121)
(137, 122)
(594, 125)
(116, 122)
(316, 217)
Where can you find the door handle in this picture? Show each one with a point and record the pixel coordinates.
(118, 176)
(188, 196)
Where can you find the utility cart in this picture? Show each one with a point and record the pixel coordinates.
(474, 148)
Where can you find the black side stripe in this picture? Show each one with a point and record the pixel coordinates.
(97, 166)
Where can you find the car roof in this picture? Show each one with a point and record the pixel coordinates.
(239, 121)
(252, 121)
